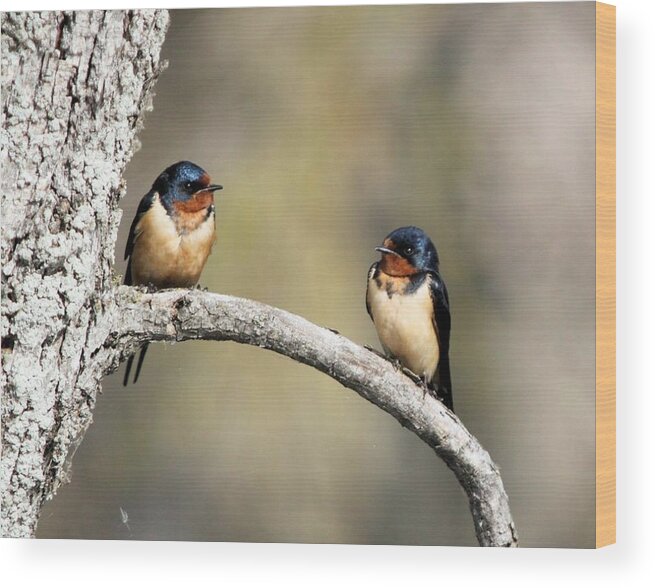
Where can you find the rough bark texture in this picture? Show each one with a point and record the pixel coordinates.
(74, 88)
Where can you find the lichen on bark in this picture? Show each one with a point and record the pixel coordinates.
(75, 86)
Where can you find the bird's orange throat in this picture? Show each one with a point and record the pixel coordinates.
(190, 214)
(395, 266)
(199, 201)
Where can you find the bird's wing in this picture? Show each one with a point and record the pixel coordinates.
(144, 206)
(441, 322)
(371, 271)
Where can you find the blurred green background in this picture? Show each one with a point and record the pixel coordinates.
(329, 127)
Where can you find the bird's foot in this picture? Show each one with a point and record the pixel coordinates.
(199, 287)
(425, 386)
(435, 394)
(399, 367)
(373, 350)
(410, 374)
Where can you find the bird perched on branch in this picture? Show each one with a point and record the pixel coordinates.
(171, 235)
(407, 300)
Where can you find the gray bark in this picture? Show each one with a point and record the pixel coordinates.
(75, 87)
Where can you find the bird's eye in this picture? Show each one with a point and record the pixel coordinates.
(188, 185)
(409, 250)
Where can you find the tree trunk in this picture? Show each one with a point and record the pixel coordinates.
(75, 86)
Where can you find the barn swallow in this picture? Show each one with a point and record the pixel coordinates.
(407, 300)
(171, 235)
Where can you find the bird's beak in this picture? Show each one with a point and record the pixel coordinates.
(387, 250)
(211, 188)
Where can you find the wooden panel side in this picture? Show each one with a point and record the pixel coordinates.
(605, 274)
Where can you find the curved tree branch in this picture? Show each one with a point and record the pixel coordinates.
(179, 315)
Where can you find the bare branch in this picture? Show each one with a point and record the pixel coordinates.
(179, 315)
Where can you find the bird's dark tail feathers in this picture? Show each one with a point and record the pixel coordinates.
(441, 384)
(139, 365)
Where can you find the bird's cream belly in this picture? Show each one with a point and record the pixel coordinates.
(164, 258)
(405, 328)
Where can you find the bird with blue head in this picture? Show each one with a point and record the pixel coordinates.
(407, 299)
(172, 234)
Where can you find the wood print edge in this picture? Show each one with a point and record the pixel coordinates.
(605, 274)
